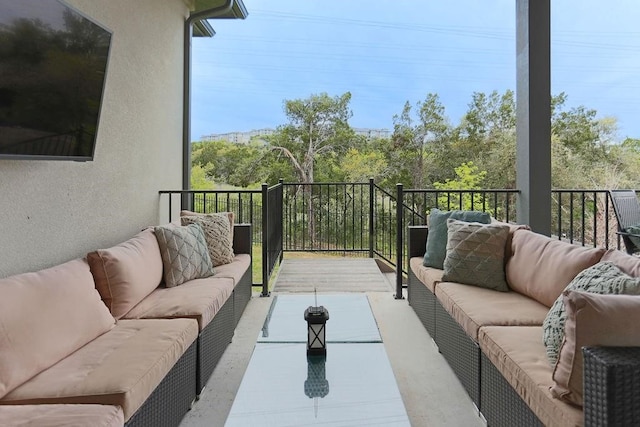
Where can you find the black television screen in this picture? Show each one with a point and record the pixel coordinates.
(53, 63)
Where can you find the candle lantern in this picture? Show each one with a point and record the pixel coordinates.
(316, 318)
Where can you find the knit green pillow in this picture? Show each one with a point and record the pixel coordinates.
(602, 278)
(475, 254)
(437, 237)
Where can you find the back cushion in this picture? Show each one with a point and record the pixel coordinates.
(627, 263)
(44, 317)
(128, 272)
(541, 267)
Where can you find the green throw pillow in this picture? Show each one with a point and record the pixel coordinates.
(475, 254)
(602, 278)
(437, 237)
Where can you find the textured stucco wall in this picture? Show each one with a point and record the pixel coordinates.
(53, 211)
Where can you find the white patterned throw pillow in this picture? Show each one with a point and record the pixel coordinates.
(602, 278)
(217, 234)
(184, 253)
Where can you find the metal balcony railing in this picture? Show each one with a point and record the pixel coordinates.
(363, 219)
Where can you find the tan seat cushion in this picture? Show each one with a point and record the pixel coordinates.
(519, 354)
(61, 416)
(199, 299)
(235, 269)
(628, 263)
(128, 272)
(44, 317)
(121, 367)
(429, 276)
(541, 267)
(473, 307)
(592, 320)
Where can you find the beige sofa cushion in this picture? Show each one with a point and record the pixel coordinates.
(541, 267)
(199, 299)
(235, 269)
(473, 307)
(592, 320)
(61, 416)
(627, 263)
(128, 272)
(44, 317)
(518, 353)
(121, 367)
(429, 276)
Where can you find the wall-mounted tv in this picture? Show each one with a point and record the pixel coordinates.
(53, 66)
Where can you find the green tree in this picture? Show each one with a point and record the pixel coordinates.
(318, 127)
(468, 177)
(414, 130)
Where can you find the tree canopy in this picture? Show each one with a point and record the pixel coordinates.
(425, 150)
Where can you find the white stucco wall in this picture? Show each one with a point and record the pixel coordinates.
(53, 211)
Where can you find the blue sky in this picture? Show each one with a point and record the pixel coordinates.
(386, 53)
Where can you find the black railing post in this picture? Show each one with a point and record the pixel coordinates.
(281, 183)
(371, 217)
(399, 240)
(265, 241)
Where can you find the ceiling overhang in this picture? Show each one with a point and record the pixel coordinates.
(203, 10)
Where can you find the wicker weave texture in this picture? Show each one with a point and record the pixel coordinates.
(173, 397)
(213, 341)
(423, 302)
(460, 351)
(501, 405)
(242, 294)
(612, 386)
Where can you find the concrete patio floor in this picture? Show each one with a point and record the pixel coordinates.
(431, 393)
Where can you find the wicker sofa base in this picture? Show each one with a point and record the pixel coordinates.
(242, 294)
(423, 302)
(612, 373)
(501, 405)
(460, 351)
(173, 397)
(212, 342)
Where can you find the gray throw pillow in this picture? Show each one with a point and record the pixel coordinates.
(184, 253)
(475, 254)
(602, 278)
(437, 237)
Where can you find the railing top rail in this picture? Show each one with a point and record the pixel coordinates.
(434, 190)
(209, 191)
(325, 183)
(569, 190)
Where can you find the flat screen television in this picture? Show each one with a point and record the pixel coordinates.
(53, 67)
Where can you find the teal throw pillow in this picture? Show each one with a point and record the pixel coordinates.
(437, 237)
(602, 278)
(475, 254)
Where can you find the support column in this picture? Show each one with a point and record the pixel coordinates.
(533, 111)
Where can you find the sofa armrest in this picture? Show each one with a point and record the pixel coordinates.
(611, 385)
(242, 243)
(417, 240)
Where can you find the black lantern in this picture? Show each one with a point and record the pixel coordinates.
(316, 385)
(316, 318)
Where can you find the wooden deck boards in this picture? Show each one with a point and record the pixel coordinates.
(330, 275)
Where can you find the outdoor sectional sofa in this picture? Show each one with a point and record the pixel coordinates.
(101, 341)
(493, 340)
